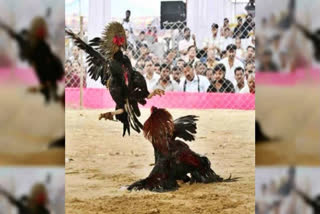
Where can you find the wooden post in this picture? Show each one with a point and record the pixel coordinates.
(82, 65)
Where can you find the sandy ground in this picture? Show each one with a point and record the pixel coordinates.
(27, 127)
(291, 115)
(102, 163)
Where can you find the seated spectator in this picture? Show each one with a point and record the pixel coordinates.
(225, 25)
(170, 59)
(220, 84)
(164, 82)
(140, 66)
(192, 82)
(266, 63)
(209, 74)
(211, 59)
(186, 42)
(141, 39)
(157, 68)
(240, 52)
(247, 27)
(72, 79)
(68, 66)
(237, 32)
(249, 69)
(180, 63)
(241, 83)
(149, 74)
(144, 52)
(155, 59)
(252, 84)
(200, 68)
(231, 62)
(176, 74)
(227, 39)
(251, 52)
(191, 57)
(223, 55)
(214, 42)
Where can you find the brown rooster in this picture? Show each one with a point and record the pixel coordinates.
(174, 160)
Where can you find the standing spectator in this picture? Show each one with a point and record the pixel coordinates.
(192, 53)
(164, 82)
(127, 25)
(220, 84)
(192, 82)
(214, 42)
(241, 84)
(211, 59)
(238, 29)
(176, 74)
(231, 62)
(186, 42)
(150, 76)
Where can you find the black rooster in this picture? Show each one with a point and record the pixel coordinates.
(314, 38)
(35, 50)
(174, 160)
(127, 87)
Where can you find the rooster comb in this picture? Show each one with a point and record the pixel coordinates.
(113, 38)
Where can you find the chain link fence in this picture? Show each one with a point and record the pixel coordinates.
(174, 59)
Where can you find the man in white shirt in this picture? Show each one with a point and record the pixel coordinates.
(186, 42)
(231, 62)
(126, 22)
(227, 39)
(165, 83)
(214, 42)
(151, 77)
(192, 82)
(240, 84)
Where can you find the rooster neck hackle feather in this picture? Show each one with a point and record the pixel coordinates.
(107, 46)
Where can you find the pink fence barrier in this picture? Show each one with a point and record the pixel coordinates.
(287, 79)
(22, 75)
(94, 98)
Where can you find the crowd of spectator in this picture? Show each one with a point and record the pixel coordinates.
(224, 63)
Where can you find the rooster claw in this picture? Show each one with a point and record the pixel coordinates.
(106, 116)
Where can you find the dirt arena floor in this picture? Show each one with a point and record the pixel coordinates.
(27, 126)
(102, 162)
(290, 115)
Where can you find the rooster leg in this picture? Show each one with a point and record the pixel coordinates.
(109, 115)
(156, 92)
